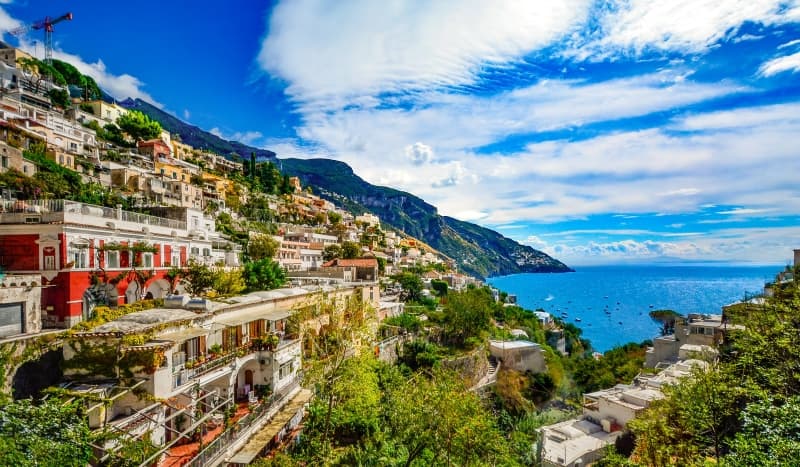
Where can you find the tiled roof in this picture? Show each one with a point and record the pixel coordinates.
(358, 262)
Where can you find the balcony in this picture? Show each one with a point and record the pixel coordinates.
(59, 210)
(181, 374)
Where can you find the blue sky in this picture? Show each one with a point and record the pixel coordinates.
(597, 131)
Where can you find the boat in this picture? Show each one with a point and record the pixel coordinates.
(620, 322)
(651, 306)
(578, 320)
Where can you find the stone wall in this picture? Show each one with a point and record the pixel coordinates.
(472, 366)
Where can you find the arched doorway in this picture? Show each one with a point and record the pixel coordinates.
(157, 289)
(132, 293)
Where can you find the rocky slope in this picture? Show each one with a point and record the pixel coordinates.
(477, 250)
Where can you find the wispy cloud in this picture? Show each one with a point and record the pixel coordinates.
(245, 137)
(781, 64)
(364, 48)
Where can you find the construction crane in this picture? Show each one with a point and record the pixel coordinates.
(46, 25)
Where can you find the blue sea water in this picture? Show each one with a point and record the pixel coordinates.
(613, 302)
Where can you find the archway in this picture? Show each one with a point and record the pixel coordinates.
(132, 292)
(159, 288)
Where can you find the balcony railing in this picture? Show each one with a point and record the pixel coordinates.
(182, 375)
(220, 444)
(46, 206)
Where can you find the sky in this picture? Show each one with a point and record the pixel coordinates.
(597, 131)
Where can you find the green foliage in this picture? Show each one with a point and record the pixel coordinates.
(350, 250)
(440, 287)
(48, 434)
(770, 435)
(667, 319)
(331, 252)
(197, 277)
(411, 284)
(407, 321)
(468, 315)
(264, 274)
(420, 354)
(138, 125)
(59, 98)
(618, 365)
(262, 247)
(229, 283)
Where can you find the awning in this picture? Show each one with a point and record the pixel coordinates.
(262, 437)
(184, 335)
(234, 318)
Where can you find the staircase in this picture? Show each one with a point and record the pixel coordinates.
(490, 377)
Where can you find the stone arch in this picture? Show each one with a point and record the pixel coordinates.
(158, 288)
(132, 292)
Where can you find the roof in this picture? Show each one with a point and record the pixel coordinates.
(514, 344)
(183, 335)
(234, 318)
(565, 442)
(143, 320)
(358, 263)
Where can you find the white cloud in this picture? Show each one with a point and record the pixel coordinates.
(682, 25)
(419, 153)
(7, 23)
(362, 47)
(781, 64)
(763, 245)
(246, 137)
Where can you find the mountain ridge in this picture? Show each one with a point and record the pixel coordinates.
(477, 250)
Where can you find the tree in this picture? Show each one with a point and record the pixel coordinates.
(138, 125)
(264, 274)
(334, 217)
(331, 252)
(229, 283)
(468, 314)
(440, 287)
(50, 434)
(453, 429)
(197, 277)
(770, 435)
(411, 284)
(667, 319)
(261, 246)
(59, 98)
(350, 250)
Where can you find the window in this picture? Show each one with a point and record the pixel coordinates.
(112, 259)
(50, 262)
(195, 251)
(77, 255)
(4, 162)
(176, 259)
(147, 260)
(285, 370)
(206, 251)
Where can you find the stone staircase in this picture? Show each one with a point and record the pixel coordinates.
(490, 377)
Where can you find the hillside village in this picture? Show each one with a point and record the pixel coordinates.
(180, 307)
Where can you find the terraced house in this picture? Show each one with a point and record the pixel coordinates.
(205, 381)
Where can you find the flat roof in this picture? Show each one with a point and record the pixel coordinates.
(143, 320)
(233, 318)
(514, 344)
(573, 439)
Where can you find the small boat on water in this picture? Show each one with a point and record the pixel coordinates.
(651, 306)
(620, 322)
(578, 320)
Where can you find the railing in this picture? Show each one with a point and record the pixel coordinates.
(182, 376)
(41, 206)
(227, 437)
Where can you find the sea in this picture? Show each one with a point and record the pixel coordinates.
(611, 304)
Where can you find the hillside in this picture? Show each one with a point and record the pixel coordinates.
(478, 250)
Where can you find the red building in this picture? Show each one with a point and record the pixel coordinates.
(91, 255)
